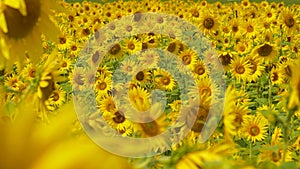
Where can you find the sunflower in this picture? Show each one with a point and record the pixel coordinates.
(153, 40)
(56, 99)
(107, 105)
(255, 128)
(14, 83)
(132, 45)
(64, 42)
(275, 156)
(139, 98)
(50, 75)
(251, 28)
(206, 88)
(29, 71)
(269, 14)
(276, 136)
(150, 58)
(155, 122)
(104, 70)
(242, 47)
(267, 51)
(289, 21)
(188, 57)
(240, 68)
(32, 16)
(235, 26)
(277, 77)
(115, 51)
(200, 69)
(102, 85)
(119, 122)
(234, 120)
(194, 13)
(175, 47)
(164, 80)
(256, 66)
(128, 66)
(226, 59)
(208, 22)
(142, 76)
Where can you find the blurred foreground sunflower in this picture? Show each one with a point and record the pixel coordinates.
(22, 22)
(30, 144)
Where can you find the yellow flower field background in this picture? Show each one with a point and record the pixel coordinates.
(257, 45)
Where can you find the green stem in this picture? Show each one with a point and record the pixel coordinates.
(250, 154)
(270, 94)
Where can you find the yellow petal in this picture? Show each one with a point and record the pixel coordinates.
(44, 84)
(3, 25)
(4, 48)
(40, 93)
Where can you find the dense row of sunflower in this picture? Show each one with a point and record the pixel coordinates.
(256, 43)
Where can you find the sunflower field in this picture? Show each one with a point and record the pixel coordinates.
(149, 85)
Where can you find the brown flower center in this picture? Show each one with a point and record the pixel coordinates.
(195, 13)
(102, 86)
(289, 21)
(269, 14)
(62, 40)
(265, 50)
(151, 128)
(131, 46)
(86, 32)
(275, 76)
(73, 47)
(32, 73)
(165, 80)
(235, 28)
(253, 130)
(187, 59)
(240, 69)
(47, 91)
(205, 91)
(129, 28)
(140, 76)
(199, 69)
(115, 49)
(18, 25)
(250, 28)
(119, 118)
(208, 23)
(225, 59)
(171, 47)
